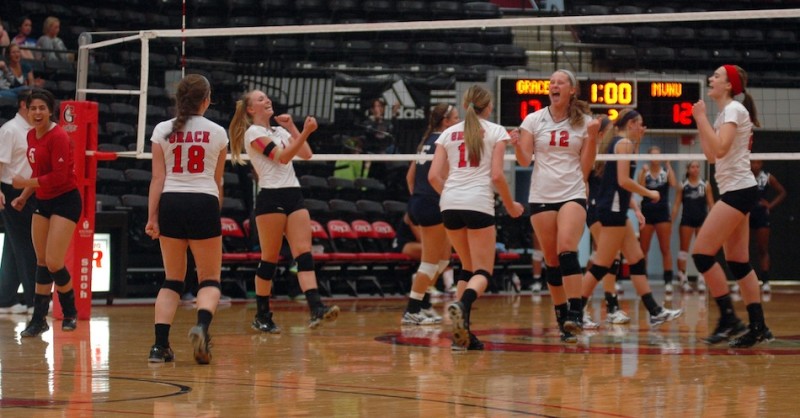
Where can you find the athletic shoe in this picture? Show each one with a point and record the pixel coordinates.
(431, 313)
(474, 344)
(325, 313)
(725, 330)
(573, 323)
(566, 336)
(14, 309)
(618, 317)
(35, 328)
(668, 288)
(418, 318)
(686, 287)
(766, 288)
(536, 287)
(160, 354)
(664, 316)
(460, 326)
(701, 284)
(756, 334)
(69, 324)
(265, 324)
(735, 287)
(618, 288)
(201, 343)
(587, 321)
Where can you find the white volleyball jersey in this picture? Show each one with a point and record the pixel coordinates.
(733, 170)
(557, 175)
(14, 149)
(191, 154)
(469, 187)
(271, 174)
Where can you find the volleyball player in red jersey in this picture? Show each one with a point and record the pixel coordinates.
(50, 153)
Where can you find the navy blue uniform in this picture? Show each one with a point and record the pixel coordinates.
(658, 212)
(759, 216)
(695, 206)
(591, 201)
(613, 201)
(423, 206)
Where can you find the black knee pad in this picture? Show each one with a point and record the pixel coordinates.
(464, 275)
(739, 270)
(208, 283)
(43, 275)
(305, 262)
(570, 265)
(598, 271)
(173, 285)
(639, 268)
(614, 269)
(484, 273)
(553, 276)
(266, 270)
(61, 277)
(703, 262)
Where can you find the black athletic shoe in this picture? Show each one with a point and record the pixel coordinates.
(69, 324)
(756, 334)
(325, 313)
(160, 354)
(265, 324)
(474, 344)
(573, 324)
(35, 328)
(566, 336)
(725, 331)
(201, 343)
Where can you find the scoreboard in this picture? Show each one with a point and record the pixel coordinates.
(664, 102)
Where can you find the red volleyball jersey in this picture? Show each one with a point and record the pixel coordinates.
(51, 158)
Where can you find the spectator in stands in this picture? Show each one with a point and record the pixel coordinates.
(726, 144)
(50, 44)
(19, 258)
(53, 179)
(5, 40)
(423, 212)
(24, 39)
(379, 131)
(467, 163)
(188, 161)
(656, 214)
(279, 205)
(695, 198)
(616, 232)
(759, 217)
(18, 75)
(562, 136)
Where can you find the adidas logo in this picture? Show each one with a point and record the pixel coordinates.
(398, 93)
(60, 159)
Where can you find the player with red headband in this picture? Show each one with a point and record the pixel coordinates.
(727, 144)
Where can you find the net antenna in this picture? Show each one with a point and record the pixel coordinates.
(86, 45)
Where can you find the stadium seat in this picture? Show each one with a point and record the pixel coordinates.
(470, 53)
(111, 181)
(370, 188)
(413, 10)
(315, 187)
(138, 180)
(446, 10)
(482, 10)
(344, 209)
(371, 210)
(318, 209)
(395, 210)
(343, 188)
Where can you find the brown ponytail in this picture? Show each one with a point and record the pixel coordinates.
(475, 101)
(192, 90)
(438, 114)
(748, 101)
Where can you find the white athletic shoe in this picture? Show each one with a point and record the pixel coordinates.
(701, 284)
(432, 314)
(766, 288)
(668, 288)
(664, 316)
(618, 317)
(416, 319)
(14, 309)
(588, 324)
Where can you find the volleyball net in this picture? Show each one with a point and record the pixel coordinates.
(657, 63)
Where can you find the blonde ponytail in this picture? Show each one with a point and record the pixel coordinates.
(475, 101)
(239, 124)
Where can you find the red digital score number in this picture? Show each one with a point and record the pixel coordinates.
(528, 106)
(682, 113)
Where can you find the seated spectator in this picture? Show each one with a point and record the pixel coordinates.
(4, 38)
(18, 74)
(407, 239)
(50, 43)
(24, 39)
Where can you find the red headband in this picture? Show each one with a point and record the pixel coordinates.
(734, 79)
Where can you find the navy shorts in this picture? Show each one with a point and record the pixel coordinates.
(470, 219)
(547, 207)
(68, 205)
(189, 216)
(591, 215)
(423, 210)
(693, 221)
(609, 218)
(655, 214)
(741, 200)
(283, 200)
(759, 217)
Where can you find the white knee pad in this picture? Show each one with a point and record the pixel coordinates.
(683, 255)
(428, 269)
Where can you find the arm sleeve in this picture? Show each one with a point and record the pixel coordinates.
(60, 157)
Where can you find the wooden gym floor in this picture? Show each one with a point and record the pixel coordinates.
(366, 364)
